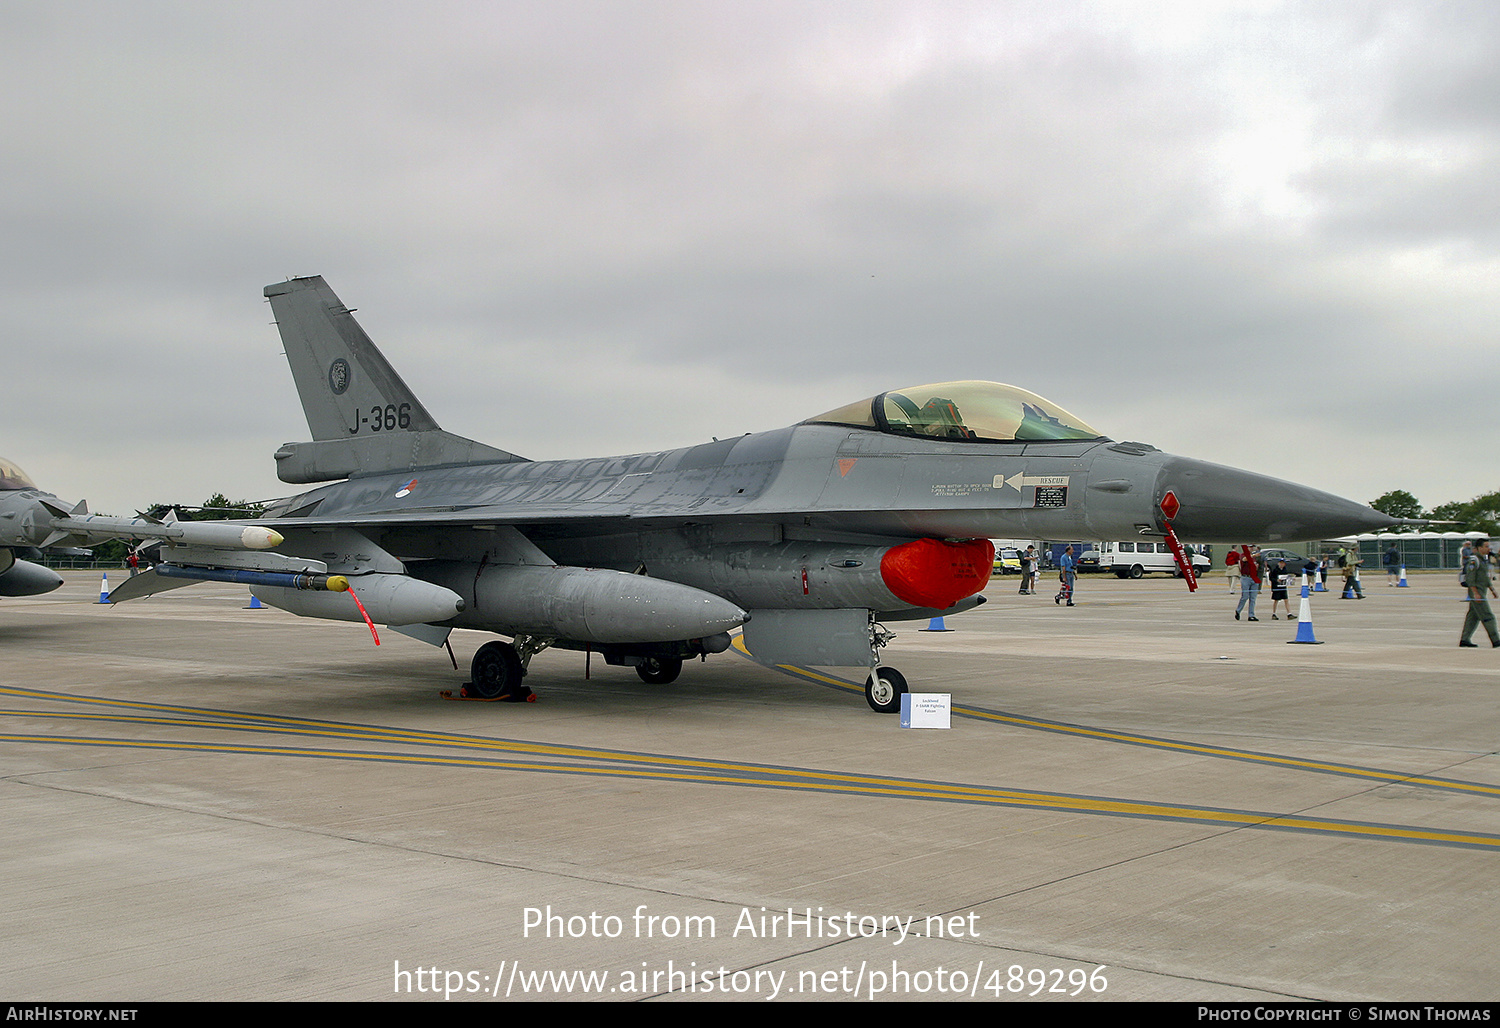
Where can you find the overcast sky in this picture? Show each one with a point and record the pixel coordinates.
(1261, 234)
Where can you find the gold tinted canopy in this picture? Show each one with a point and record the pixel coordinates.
(971, 411)
(12, 477)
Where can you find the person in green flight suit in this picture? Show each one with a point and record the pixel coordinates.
(1477, 584)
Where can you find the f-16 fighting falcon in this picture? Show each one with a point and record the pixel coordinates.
(20, 577)
(811, 537)
(32, 521)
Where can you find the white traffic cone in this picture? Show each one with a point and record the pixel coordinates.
(1304, 619)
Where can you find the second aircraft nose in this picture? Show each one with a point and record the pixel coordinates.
(1222, 504)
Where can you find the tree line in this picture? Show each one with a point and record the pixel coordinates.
(1479, 516)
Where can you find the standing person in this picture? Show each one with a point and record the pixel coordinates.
(1028, 571)
(1478, 577)
(1278, 576)
(1251, 570)
(1352, 561)
(1232, 562)
(1464, 553)
(1068, 575)
(1392, 562)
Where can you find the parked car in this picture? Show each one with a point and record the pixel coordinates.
(1134, 558)
(1085, 556)
(1007, 561)
(1295, 562)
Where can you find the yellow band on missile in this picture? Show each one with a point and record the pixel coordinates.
(338, 584)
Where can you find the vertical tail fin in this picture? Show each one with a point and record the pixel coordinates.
(364, 419)
(344, 381)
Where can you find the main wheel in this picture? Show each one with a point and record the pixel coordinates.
(496, 670)
(659, 670)
(883, 690)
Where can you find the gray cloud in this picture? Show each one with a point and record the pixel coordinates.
(590, 227)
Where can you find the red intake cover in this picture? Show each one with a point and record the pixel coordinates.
(934, 573)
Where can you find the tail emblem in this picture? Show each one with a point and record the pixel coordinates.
(338, 376)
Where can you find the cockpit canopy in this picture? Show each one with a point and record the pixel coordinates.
(12, 477)
(970, 411)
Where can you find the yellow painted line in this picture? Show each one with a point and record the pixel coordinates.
(1298, 763)
(1176, 745)
(769, 772)
(893, 788)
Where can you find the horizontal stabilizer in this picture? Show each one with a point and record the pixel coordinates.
(331, 459)
(147, 583)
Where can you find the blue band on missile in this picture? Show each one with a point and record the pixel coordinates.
(238, 576)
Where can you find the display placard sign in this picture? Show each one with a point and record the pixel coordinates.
(927, 710)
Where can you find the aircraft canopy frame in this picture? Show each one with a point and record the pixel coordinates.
(12, 477)
(967, 411)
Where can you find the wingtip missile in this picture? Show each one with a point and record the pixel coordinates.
(257, 538)
(219, 535)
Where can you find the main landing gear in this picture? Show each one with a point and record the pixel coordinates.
(499, 667)
(659, 670)
(883, 690)
(496, 674)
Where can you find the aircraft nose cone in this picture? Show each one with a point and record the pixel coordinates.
(1221, 504)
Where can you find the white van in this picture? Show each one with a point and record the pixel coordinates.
(1139, 557)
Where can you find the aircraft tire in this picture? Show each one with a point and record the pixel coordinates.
(1136, 571)
(659, 670)
(883, 690)
(495, 671)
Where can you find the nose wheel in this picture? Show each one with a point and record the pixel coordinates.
(883, 690)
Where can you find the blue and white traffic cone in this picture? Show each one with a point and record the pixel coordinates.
(935, 625)
(104, 588)
(1401, 582)
(1304, 619)
(255, 603)
(1320, 580)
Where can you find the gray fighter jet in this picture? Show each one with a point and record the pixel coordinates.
(811, 537)
(19, 577)
(32, 520)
